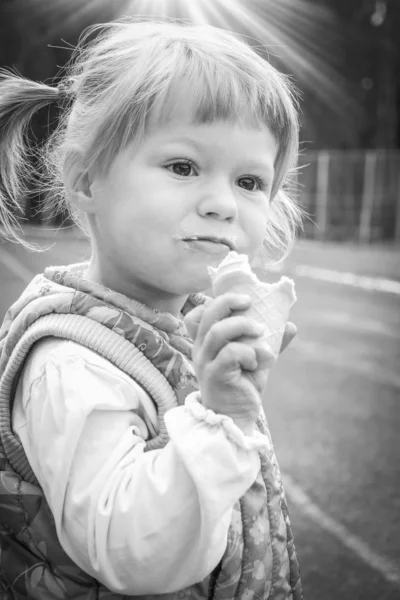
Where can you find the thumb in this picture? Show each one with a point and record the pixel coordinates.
(288, 336)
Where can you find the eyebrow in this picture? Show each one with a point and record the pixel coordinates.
(186, 140)
(251, 164)
(263, 166)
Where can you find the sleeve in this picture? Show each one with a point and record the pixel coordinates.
(139, 522)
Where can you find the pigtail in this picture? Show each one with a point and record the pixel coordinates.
(20, 99)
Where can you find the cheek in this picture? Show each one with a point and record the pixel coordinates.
(256, 225)
(114, 223)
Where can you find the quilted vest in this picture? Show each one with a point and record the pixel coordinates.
(154, 349)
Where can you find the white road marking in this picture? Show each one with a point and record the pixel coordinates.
(321, 353)
(383, 565)
(343, 278)
(15, 266)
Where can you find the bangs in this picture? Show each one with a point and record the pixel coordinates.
(208, 93)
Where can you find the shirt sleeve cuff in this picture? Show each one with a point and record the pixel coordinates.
(257, 441)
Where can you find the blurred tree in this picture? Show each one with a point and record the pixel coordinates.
(369, 56)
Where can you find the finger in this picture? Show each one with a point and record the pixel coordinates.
(266, 359)
(288, 336)
(220, 308)
(193, 318)
(233, 356)
(227, 330)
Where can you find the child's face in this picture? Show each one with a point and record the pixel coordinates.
(184, 180)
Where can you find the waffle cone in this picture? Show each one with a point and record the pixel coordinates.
(270, 303)
(270, 306)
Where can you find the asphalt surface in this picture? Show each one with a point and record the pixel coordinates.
(333, 404)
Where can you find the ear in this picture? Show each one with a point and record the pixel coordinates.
(80, 188)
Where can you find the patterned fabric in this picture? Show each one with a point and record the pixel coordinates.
(259, 561)
(64, 290)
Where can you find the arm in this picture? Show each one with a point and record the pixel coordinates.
(117, 508)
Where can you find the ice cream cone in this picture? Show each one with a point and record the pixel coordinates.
(270, 303)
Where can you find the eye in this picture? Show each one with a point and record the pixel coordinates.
(183, 168)
(252, 184)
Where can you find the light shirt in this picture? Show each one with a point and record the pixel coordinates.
(139, 522)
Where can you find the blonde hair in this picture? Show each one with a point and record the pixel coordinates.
(130, 72)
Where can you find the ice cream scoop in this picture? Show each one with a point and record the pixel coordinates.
(270, 302)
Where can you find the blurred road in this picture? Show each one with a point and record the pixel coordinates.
(333, 406)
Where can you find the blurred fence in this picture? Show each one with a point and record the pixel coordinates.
(351, 195)
(348, 195)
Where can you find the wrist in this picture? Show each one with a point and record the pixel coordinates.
(239, 430)
(246, 427)
(244, 422)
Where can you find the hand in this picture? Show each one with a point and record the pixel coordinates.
(231, 358)
(193, 319)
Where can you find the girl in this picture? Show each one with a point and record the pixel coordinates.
(135, 461)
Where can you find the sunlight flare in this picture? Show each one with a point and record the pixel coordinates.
(293, 34)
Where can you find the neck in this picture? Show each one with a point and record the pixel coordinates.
(135, 290)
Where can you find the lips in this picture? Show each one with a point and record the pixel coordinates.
(207, 247)
(211, 238)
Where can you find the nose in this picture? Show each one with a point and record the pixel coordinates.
(220, 203)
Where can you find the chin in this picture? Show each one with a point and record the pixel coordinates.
(200, 284)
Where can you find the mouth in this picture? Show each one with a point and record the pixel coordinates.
(229, 242)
